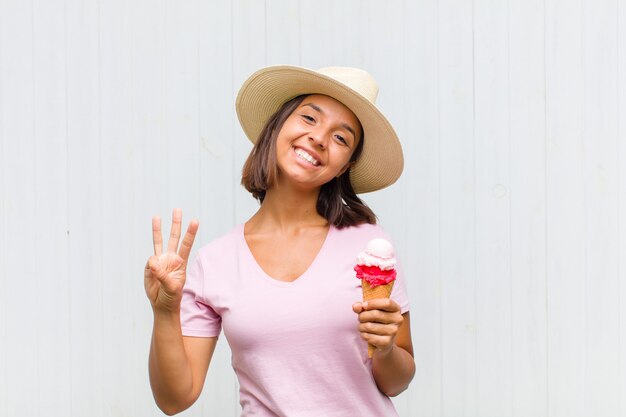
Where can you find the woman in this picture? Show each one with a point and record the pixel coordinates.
(281, 285)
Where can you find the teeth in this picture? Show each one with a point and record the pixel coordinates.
(306, 156)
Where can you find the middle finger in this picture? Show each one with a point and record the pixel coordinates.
(379, 316)
(177, 217)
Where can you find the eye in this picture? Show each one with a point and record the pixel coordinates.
(308, 118)
(341, 139)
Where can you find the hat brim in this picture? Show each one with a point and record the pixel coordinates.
(381, 161)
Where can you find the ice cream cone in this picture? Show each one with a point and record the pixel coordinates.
(372, 293)
(375, 267)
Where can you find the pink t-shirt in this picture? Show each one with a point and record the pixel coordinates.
(295, 345)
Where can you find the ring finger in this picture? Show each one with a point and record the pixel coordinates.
(378, 329)
(378, 316)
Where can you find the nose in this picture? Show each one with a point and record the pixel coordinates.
(317, 138)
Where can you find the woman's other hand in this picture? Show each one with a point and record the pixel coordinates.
(379, 322)
(382, 325)
(165, 272)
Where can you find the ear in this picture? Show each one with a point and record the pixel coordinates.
(345, 168)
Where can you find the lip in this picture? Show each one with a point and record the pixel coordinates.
(310, 152)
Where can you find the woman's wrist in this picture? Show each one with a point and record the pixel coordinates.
(385, 353)
(393, 370)
(162, 315)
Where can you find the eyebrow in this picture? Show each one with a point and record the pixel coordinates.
(344, 125)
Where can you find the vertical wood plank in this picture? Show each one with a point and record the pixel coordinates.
(621, 204)
(493, 229)
(217, 119)
(316, 34)
(4, 219)
(566, 263)
(84, 208)
(181, 106)
(148, 99)
(121, 281)
(219, 394)
(249, 54)
(348, 43)
(151, 168)
(382, 53)
(420, 143)
(600, 180)
(20, 193)
(457, 209)
(528, 212)
(51, 199)
(383, 37)
(282, 22)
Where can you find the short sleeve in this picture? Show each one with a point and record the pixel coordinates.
(399, 291)
(197, 318)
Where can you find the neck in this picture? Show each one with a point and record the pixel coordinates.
(287, 208)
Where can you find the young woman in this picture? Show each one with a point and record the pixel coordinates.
(282, 286)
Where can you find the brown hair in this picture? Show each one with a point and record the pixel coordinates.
(337, 201)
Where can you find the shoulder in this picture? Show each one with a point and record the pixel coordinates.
(222, 247)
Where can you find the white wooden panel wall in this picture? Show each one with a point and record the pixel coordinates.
(509, 216)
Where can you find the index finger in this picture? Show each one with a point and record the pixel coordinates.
(384, 304)
(157, 239)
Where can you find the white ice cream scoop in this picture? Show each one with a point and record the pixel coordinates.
(378, 252)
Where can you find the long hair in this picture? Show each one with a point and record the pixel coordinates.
(337, 202)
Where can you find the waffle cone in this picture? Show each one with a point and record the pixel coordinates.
(369, 293)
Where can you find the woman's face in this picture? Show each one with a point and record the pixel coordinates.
(316, 142)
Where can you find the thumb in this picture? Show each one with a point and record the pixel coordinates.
(357, 307)
(155, 267)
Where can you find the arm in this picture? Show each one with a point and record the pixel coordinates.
(394, 370)
(382, 325)
(177, 364)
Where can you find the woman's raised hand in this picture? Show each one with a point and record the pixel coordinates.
(165, 272)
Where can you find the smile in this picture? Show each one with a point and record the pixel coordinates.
(306, 156)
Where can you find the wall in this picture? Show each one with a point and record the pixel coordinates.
(509, 215)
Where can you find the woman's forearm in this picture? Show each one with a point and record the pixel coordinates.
(393, 371)
(170, 373)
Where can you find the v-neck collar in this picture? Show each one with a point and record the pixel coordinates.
(261, 272)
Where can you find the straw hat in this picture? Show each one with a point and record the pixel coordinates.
(380, 163)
